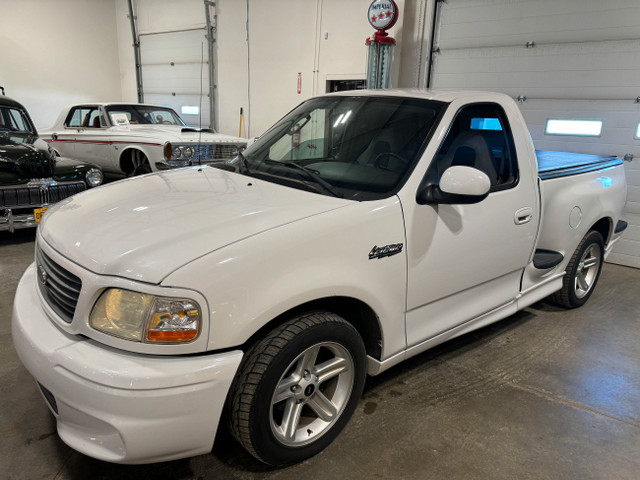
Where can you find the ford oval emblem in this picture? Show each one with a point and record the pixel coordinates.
(42, 275)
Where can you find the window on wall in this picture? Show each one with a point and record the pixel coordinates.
(638, 131)
(585, 128)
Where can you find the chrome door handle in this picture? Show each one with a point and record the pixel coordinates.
(524, 215)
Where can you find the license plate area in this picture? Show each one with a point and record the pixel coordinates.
(37, 213)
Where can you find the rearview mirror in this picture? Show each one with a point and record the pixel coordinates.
(458, 185)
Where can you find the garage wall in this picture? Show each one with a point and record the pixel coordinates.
(56, 53)
(263, 45)
(583, 63)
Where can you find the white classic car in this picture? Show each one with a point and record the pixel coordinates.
(134, 138)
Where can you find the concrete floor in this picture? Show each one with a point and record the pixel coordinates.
(545, 394)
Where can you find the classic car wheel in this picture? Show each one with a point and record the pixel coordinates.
(140, 164)
(297, 388)
(582, 273)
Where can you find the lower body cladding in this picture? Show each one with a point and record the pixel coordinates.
(118, 406)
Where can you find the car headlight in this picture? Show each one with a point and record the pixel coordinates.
(177, 152)
(188, 151)
(141, 317)
(94, 177)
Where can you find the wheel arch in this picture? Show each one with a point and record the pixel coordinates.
(125, 161)
(604, 226)
(356, 312)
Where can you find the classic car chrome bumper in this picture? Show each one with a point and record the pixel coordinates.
(11, 221)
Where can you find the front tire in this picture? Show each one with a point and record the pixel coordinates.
(583, 272)
(297, 388)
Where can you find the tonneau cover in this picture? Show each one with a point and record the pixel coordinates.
(561, 164)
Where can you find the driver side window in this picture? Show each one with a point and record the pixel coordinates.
(480, 137)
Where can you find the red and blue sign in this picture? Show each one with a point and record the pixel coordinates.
(383, 14)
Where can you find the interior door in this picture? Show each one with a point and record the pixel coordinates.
(467, 260)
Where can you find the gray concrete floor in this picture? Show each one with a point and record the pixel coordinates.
(545, 394)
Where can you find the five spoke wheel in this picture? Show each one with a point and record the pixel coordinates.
(312, 393)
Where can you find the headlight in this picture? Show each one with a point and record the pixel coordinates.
(146, 318)
(188, 151)
(177, 152)
(94, 177)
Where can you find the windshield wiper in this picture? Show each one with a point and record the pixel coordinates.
(311, 174)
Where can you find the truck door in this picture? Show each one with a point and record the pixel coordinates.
(465, 261)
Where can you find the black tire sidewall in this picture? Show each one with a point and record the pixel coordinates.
(592, 238)
(264, 441)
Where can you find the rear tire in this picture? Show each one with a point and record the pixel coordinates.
(297, 388)
(583, 272)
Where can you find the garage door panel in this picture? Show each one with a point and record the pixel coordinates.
(554, 71)
(178, 101)
(182, 47)
(507, 22)
(176, 79)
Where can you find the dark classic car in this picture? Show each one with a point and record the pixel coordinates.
(32, 177)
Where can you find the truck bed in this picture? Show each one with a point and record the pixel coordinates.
(562, 164)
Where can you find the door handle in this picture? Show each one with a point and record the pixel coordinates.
(524, 215)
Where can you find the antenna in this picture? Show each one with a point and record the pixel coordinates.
(200, 105)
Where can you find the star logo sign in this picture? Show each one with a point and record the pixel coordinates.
(382, 14)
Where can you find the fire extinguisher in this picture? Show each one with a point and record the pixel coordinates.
(295, 139)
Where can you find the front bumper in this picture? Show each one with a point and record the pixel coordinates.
(10, 221)
(118, 406)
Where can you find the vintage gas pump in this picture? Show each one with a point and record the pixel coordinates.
(383, 15)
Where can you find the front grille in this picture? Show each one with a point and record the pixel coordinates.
(216, 151)
(59, 287)
(38, 195)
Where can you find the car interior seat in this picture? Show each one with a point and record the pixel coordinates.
(469, 149)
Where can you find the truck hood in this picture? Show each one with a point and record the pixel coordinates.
(146, 227)
(176, 133)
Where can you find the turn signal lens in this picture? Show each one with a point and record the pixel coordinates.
(173, 320)
(168, 151)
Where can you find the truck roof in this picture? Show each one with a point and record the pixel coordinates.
(441, 95)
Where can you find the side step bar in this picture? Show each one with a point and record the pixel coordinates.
(545, 259)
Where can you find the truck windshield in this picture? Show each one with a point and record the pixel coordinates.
(363, 148)
(145, 115)
(12, 119)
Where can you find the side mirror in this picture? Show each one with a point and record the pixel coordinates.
(458, 185)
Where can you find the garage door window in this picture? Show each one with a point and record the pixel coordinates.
(584, 128)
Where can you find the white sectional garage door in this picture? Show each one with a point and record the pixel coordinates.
(582, 62)
(174, 56)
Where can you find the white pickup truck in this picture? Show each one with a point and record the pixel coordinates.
(363, 228)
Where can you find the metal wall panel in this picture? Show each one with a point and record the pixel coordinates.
(584, 64)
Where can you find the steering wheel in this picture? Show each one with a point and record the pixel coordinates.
(376, 161)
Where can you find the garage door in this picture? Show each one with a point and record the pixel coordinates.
(568, 60)
(175, 57)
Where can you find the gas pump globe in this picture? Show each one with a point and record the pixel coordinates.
(382, 16)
